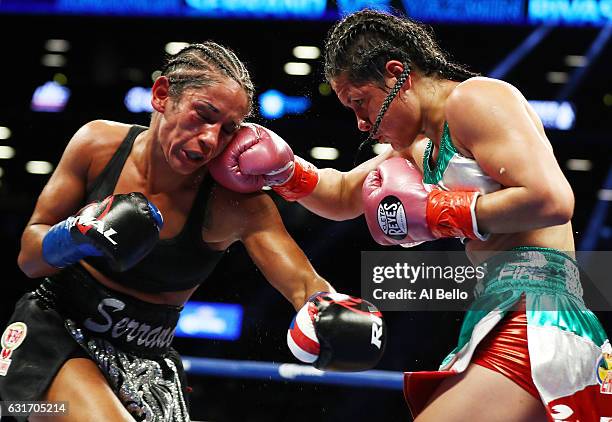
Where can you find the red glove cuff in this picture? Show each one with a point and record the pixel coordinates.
(303, 181)
(452, 214)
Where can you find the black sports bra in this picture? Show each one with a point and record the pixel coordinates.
(179, 263)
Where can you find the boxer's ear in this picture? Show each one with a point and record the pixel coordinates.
(393, 70)
(160, 93)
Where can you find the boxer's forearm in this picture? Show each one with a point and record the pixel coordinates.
(337, 195)
(30, 259)
(517, 209)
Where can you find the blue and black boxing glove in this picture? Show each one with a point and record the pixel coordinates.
(123, 228)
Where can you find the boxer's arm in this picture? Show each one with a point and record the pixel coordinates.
(275, 252)
(60, 198)
(509, 147)
(338, 194)
(258, 157)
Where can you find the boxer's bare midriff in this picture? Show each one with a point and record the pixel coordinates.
(556, 237)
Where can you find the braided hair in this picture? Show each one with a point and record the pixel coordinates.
(359, 46)
(199, 65)
(362, 43)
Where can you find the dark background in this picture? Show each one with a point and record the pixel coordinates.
(106, 58)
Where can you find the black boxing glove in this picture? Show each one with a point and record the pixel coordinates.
(334, 331)
(123, 228)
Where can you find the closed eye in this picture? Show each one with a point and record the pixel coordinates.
(203, 117)
(230, 129)
(227, 129)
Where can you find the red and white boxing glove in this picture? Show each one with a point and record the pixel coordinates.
(338, 332)
(400, 210)
(257, 157)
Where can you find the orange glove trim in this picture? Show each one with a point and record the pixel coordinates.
(302, 183)
(450, 214)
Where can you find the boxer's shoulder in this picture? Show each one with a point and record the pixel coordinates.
(94, 144)
(230, 214)
(100, 134)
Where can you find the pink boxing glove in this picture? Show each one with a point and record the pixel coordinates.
(257, 157)
(395, 203)
(399, 210)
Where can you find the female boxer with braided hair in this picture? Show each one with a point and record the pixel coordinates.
(462, 166)
(97, 332)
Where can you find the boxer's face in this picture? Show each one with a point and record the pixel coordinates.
(199, 124)
(399, 126)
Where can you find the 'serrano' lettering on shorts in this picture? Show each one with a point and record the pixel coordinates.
(144, 334)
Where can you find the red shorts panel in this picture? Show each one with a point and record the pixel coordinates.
(503, 350)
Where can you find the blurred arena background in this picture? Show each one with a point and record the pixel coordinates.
(66, 62)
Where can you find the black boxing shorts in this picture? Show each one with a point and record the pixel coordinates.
(72, 315)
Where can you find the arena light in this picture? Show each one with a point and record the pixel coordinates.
(53, 60)
(50, 97)
(39, 167)
(311, 9)
(175, 46)
(577, 164)
(380, 148)
(5, 132)
(138, 100)
(60, 78)
(306, 52)
(594, 51)
(6, 152)
(517, 12)
(57, 46)
(604, 195)
(324, 153)
(558, 115)
(519, 53)
(325, 89)
(273, 104)
(564, 12)
(575, 61)
(210, 320)
(557, 77)
(297, 68)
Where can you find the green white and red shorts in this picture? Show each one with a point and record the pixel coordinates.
(529, 323)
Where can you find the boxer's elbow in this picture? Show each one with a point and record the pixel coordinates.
(26, 265)
(556, 205)
(33, 267)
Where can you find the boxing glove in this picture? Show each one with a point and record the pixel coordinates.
(258, 157)
(123, 228)
(335, 331)
(399, 209)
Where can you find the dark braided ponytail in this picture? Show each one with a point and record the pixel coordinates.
(199, 65)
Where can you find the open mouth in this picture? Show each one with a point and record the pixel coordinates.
(193, 156)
